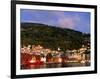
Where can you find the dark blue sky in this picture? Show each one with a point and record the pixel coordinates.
(79, 21)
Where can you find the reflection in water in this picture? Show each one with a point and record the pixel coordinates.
(54, 65)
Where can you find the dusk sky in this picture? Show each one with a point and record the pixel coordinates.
(79, 21)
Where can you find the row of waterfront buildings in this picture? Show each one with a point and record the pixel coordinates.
(35, 53)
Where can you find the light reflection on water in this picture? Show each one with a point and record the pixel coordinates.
(55, 65)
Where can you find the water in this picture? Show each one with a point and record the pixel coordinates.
(55, 65)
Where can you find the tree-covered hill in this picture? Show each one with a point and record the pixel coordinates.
(50, 36)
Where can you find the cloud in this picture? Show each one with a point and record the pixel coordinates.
(66, 23)
(66, 20)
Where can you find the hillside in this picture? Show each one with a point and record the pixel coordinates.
(50, 37)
